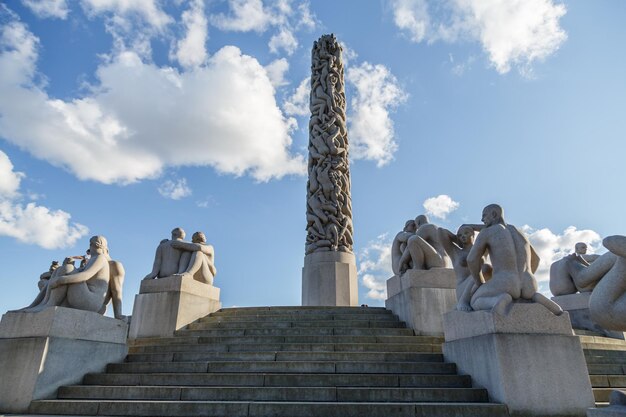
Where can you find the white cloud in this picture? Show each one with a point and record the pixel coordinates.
(140, 118)
(48, 8)
(298, 103)
(32, 224)
(175, 190)
(440, 206)
(551, 247)
(285, 40)
(276, 72)
(147, 10)
(412, 17)
(257, 16)
(375, 267)
(246, 15)
(511, 32)
(9, 179)
(190, 50)
(371, 128)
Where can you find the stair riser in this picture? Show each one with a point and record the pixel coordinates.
(264, 324)
(298, 347)
(284, 367)
(285, 356)
(281, 380)
(300, 317)
(320, 331)
(245, 409)
(190, 340)
(313, 394)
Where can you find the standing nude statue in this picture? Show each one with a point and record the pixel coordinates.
(513, 260)
(399, 245)
(423, 249)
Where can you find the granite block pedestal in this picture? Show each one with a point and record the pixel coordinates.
(329, 279)
(39, 352)
(577, 305)
(528, 359)
(164, 305)
(421, 297)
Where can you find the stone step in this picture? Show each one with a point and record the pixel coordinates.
(311, 347)
(284, 367)
(606, 369)
(610, 353)
(280, 380)
(284, 356)
(301, 310)
(295, 331)
(606, 381)
(313, 394)
(255, 340)
(605, 346)
(262, 323)
(258, 409)
(605, 360)
(299, 317)
(601, 395)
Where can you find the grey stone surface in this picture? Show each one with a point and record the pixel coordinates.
(522, 318)
(63, 322)
(577, 306)
(40, 360)
(421, 297)
(181, 301)
(329, 279)
(528, 359)
(329, 205)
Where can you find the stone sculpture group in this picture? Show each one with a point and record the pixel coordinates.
(481, 286)
(98, 280)
(603, 276)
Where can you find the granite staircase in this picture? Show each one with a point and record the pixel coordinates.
(606, 362)
(281, 361)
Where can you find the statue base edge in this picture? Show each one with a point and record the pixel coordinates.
(329, 279)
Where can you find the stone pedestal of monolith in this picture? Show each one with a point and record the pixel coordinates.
(329, 279)
(164, 305)
(421, 297)
(39, 352)
(577, 305)
(528, 359)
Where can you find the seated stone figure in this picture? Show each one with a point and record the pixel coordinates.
(176, 257)
(458, 247)
(607, 276)
(423, 249)
(399, 245)
(81, 289)
(561, 281)
(199, 258)
(43, 278)
(513, 260)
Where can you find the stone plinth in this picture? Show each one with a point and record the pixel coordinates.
(577, 305)
(329, 279)
(164, 305)
(420, 298)
(39, 352)
(528, 359)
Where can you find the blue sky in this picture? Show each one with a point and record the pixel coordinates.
(129, 118)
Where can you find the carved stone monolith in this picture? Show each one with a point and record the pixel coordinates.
(329, 273)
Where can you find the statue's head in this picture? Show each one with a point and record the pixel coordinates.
(493, 214)
(68, 260)
(421, 220)
(580, 248)
(465, 235)
(98, 244)
(198, 237)
(410, 226)
(178, 233)
(54, 265)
